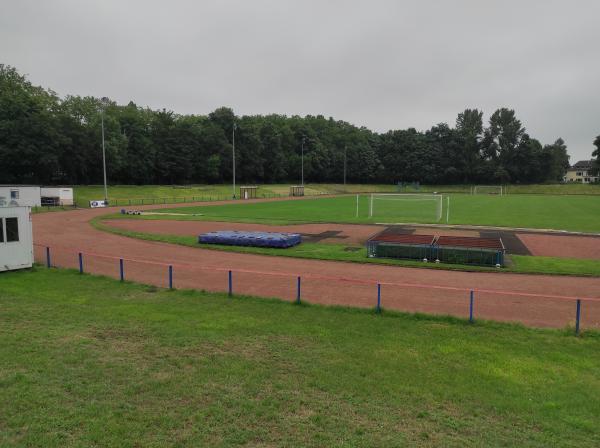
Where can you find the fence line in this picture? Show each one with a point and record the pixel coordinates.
(397, 295)
(331, 278)
(181, 199)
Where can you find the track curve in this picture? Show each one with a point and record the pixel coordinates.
(499, 296)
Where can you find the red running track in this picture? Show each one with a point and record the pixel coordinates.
(536, 300)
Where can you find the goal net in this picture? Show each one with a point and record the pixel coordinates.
(406, 207)
(488, 189)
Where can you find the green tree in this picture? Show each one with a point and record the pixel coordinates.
(596, 155)
(501, 141)
(555, 161)
(30, 137)
(46, 139)
(469, 125)
(140, 157)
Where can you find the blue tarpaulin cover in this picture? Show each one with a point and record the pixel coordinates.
(259, 239)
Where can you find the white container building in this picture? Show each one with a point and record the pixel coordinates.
(16, 238)
(56, 196)
(24, 195)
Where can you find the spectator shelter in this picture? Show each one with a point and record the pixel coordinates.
(297, 190)
(248, 192)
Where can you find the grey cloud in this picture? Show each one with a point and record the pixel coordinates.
(381, 64)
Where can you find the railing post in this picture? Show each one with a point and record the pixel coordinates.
(48, 260)
(230, 276)
(577, 317)
(378, 298)
(80, 263)
(170, 277)
(471, 300)
(121, 270)
(298, 290)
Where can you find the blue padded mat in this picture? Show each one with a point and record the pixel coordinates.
(258, 239)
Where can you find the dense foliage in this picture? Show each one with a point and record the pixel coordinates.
(596, 156)
(47, 139)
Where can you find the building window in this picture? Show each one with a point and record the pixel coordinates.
(14, 194)
(579, 173)
(12, 230)
(1, 230)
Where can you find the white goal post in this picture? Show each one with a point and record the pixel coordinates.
(404, 205)
(488, 189)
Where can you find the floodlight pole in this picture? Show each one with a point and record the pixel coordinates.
(302, 183)
(104, 99)
(345, 151)
(233, 143)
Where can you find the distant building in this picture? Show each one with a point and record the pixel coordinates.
(581, 172)
(35, 196)
(16, 238)
(57, 196)
(23, 195)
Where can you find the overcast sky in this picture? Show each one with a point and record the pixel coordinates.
(380, 64)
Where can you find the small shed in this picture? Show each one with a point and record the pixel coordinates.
(248, 192)
(56, 196)
(16, 238)
(297, 190)
(24, 195)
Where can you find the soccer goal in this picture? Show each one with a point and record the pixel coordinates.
(488, 189)
(406, 207)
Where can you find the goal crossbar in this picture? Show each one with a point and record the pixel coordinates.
(489, 189)
(408, 197)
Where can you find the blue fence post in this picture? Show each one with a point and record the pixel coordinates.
(578, 316)
(121, 269)
(378, 298)
(298, 290)
(170, 277)
(48, 261)
(80, 263)
(230, 283)
(471, 307)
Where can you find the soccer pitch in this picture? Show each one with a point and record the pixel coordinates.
(573, 213)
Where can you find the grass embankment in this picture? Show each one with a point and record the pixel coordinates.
(358, 254)
(89, 361)
(149, 194)
(122, 194)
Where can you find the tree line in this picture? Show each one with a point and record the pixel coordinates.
(51, 140)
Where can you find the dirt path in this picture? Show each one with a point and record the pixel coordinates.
(442, 292)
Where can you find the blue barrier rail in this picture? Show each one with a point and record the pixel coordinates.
(471, 296)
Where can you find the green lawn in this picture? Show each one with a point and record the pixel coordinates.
(358, 254)
(89, 361)
(148, 194)
(122, 194)
(574, 213)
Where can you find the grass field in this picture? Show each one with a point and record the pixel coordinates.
(122, 194)
(89, 361)
(574, 213)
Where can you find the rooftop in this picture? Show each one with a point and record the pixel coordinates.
(583, 165)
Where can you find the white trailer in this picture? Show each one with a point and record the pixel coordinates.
(16, 238)
(24, 195)
(57, 196)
